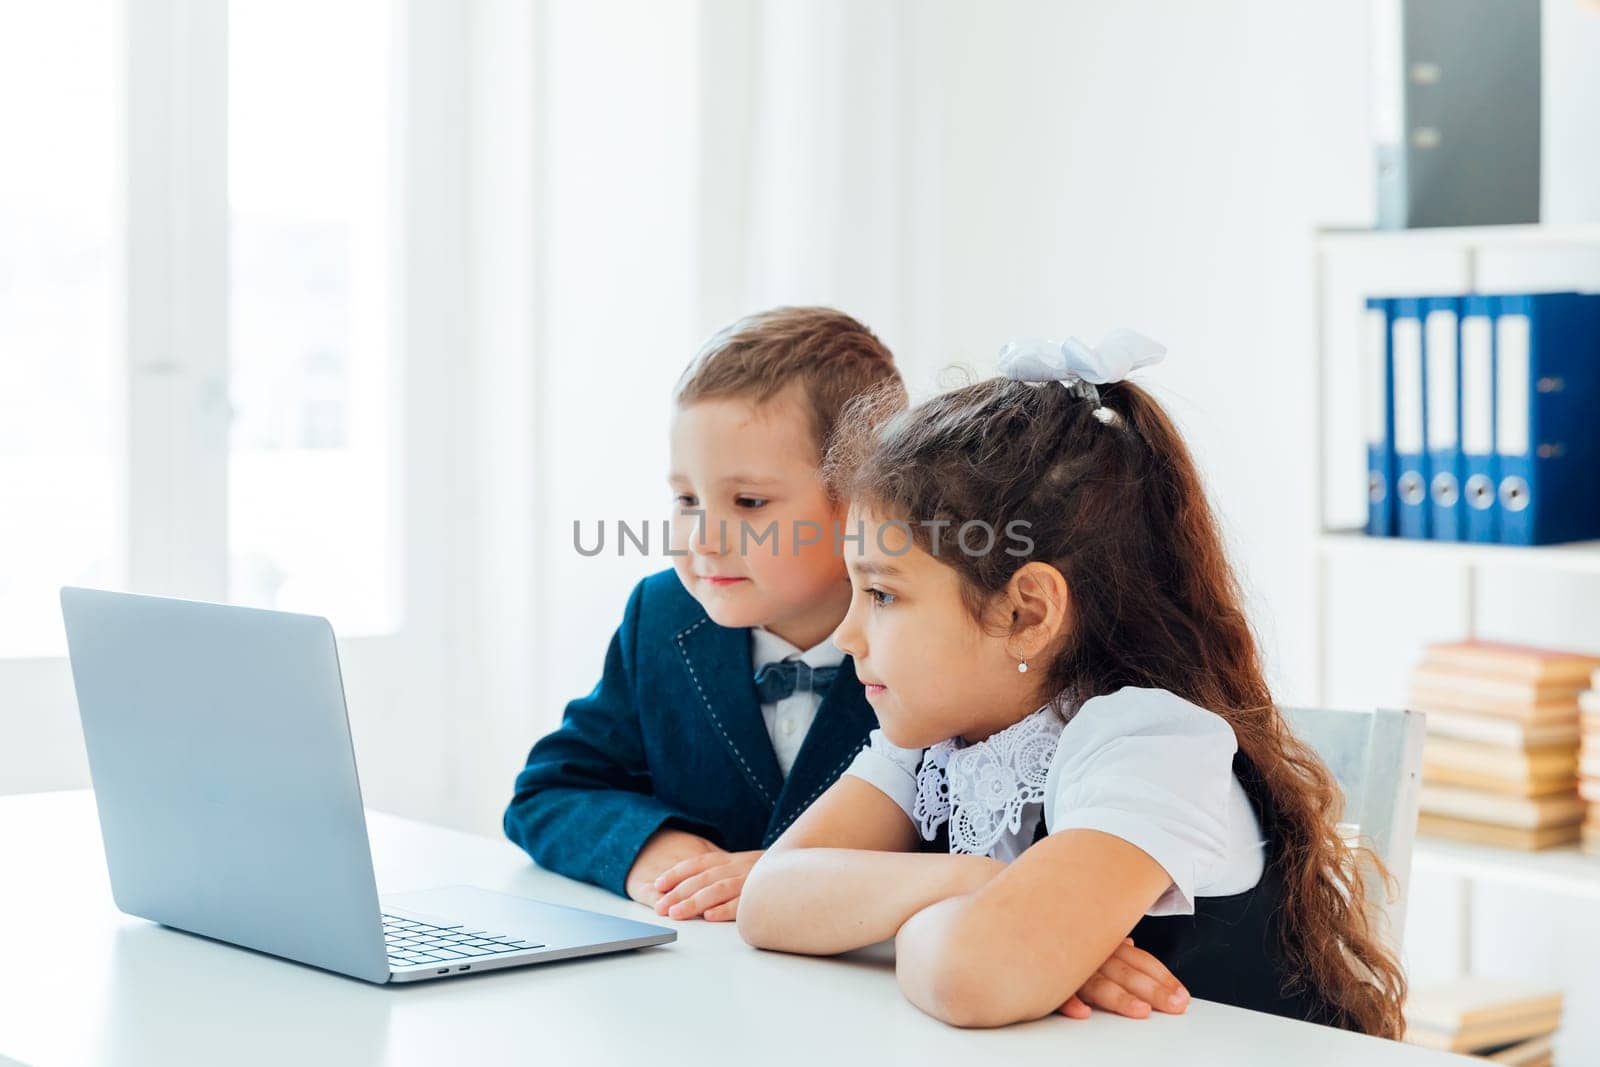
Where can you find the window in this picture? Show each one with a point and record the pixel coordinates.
(312, 500)
(311, 486)
(62, 388)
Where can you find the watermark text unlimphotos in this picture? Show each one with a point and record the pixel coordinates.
(975, 537)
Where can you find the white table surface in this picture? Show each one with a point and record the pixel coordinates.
(81, 983)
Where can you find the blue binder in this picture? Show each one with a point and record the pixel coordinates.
(1480, 473)
(1547, 435)
(1409, 392)
(1441, 350)
(1378, 418)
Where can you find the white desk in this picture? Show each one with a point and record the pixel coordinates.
(81, 983)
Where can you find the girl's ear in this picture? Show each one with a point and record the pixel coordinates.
(1041, 609)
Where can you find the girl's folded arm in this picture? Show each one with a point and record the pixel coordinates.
(1018, 947)
(844, 876)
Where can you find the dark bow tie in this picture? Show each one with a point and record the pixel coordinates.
(776, 681)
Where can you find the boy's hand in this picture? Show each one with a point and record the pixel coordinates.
(664, 850)
(1130, 983)
(707, 886)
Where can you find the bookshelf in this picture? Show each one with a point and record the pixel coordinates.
(1581, 557)
(1468, 239)
(1462, 254)
(1564, 871)
(1468, 259)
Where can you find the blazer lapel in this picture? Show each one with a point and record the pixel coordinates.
(837, 734)
(718, 661)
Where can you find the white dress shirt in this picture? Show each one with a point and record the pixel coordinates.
(1144, 765)
(790, 719)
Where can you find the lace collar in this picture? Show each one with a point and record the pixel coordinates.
(981, 789)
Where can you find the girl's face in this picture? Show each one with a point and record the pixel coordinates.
(931, 671)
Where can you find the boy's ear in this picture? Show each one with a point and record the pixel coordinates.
(1041, 608)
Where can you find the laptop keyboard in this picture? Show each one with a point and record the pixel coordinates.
(412, 943)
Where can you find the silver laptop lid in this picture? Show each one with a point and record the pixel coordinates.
(224, 775)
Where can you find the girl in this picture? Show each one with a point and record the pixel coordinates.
(1072, 711)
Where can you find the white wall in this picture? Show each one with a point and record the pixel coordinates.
(1570, 176)
(1162, 166)
(622, 304)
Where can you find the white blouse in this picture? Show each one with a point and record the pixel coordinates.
(1144, 765)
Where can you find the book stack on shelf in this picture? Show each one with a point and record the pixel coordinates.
(1499, 1021)
(1589, 761)
(1500, 763)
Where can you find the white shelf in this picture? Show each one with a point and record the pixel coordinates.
(1564, 871)
(1501, 258)
(1579, 557)
(1462, 237)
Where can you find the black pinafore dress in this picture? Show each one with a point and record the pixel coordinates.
(1231, 949)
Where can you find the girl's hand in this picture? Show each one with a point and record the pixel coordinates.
(705, 886)
(1130, 983)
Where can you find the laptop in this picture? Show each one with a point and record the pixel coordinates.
(219, 748)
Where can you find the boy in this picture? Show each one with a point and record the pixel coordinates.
(724, 708)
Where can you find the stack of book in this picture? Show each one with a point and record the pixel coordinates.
(1589, 761)
(1500, 1021)
(1500, 764)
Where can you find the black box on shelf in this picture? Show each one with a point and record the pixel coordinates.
(1456, 112)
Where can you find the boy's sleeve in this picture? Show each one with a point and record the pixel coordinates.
(583, 805)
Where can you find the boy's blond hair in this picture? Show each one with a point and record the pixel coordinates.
(835, 358)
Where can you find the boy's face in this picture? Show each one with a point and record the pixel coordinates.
(752, 469)
(931, 671)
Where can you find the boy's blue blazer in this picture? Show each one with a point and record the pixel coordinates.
(673, 736)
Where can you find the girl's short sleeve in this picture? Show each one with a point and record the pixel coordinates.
(892, 769)
(1151, 768)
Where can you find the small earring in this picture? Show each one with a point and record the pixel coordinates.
(1022, 666)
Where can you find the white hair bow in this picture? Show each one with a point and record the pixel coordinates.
(1081, 368)
(1119, 353)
